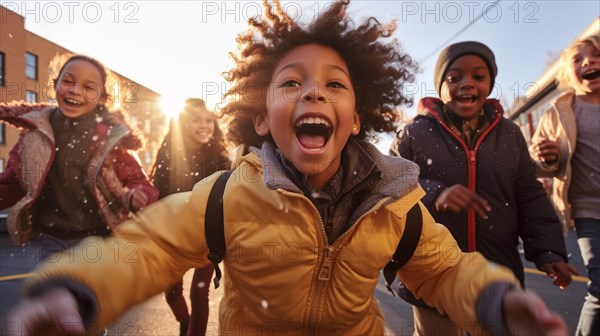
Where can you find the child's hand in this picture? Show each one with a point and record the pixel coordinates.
(560, 272)
(458, 197)
(138, 200)
(526, 314)
(53, 313)
(547, 151)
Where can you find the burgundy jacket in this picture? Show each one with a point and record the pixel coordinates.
(24, 177)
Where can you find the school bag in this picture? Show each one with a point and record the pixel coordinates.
(215, 238)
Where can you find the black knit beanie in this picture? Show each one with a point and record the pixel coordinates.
(456, 50)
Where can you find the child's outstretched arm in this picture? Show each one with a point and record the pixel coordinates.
(473, 292)
(453, 281)
(115, 273)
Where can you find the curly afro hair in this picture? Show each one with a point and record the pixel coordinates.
(378, 67)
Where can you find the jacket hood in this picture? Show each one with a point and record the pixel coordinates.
(398, 175)
(34, 115)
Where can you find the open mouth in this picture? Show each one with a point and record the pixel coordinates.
(72, 102)
(466, 99)
(591, 74)
(313, 132)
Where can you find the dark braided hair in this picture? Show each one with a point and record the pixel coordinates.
(378, 69)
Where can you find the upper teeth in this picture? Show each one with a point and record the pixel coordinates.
(312, 120)
(72, 101)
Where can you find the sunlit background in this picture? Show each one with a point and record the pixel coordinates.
(180, 48)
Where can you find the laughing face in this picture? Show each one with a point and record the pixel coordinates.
(79, 88)
(466, 85)
(200, 126)
(584, 71)
(311, 111)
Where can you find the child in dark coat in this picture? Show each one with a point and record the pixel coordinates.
(479, 178)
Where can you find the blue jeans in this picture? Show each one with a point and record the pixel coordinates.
(588, 238)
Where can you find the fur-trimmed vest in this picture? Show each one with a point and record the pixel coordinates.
(113, 171)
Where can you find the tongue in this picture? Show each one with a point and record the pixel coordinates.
(311, 141)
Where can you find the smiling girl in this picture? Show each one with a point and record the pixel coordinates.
(72, 173)
(193, 149)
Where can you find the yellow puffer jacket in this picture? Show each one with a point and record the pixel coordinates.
(281, 276)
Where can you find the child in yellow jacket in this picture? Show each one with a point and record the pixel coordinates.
(312, 211)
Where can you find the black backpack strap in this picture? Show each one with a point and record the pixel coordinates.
(406, 247)
(214, 226)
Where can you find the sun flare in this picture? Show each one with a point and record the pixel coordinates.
(171, 105)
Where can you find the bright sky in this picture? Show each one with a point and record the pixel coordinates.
(179, 48)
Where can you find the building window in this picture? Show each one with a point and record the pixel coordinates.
(31, 96)
(2, 134)
(31, 61)
(1, 68)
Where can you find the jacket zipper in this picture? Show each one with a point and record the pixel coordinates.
(471, 174)
(327, 259)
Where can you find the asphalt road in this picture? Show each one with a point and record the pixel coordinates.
(154, 317)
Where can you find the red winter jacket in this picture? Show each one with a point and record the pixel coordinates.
(24, 178)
